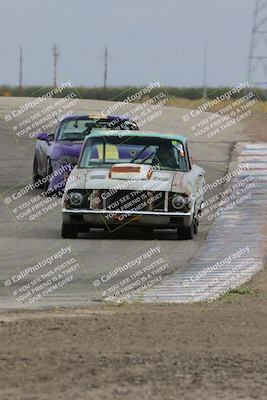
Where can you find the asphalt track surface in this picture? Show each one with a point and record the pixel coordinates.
(97, 250)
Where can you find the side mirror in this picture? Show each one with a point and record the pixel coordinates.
(43, 136)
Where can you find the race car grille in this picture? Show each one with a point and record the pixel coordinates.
(124, 200)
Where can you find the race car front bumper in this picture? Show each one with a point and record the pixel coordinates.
(100, 218)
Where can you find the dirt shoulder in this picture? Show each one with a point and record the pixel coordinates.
(209, 351)
(255, 127)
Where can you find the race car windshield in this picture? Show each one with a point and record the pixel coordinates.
(77, 129)
(161, 153)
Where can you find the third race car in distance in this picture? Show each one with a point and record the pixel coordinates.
(134, 178)
(56, 154)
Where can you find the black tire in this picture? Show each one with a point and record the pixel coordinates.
(84, 228)
(186, 232)
(196, 224)
(69, 231)
(49, 171)
(35, 175)
(146, 230)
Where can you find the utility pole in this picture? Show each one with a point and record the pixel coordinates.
(56, 57)
(105, 68)
(205, 68)
(20, 71)
(257, 60)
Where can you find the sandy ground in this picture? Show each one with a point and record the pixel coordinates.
(255, 127)
(211, 351)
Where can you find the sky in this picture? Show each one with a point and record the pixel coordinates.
(148, 40)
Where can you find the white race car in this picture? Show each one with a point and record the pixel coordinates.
(133, 178)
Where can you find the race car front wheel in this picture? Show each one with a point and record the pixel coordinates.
(48, 175)
(186, 232)
(35, 175)
(69, 231)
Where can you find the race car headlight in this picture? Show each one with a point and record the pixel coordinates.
(68, 160)
(75, 198)
(178, 201)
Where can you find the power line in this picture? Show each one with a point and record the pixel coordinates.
(106, 59)
(205, 68)
(56, 55)
(105, 67)
(257, 60)
(20, 71)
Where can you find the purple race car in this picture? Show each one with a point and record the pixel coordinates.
(57, 154)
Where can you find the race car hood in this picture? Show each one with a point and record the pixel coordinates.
(67, 148)
(100, 179)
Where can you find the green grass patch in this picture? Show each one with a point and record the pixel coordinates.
(241, 291)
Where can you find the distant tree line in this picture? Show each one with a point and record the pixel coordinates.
(121, 93)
